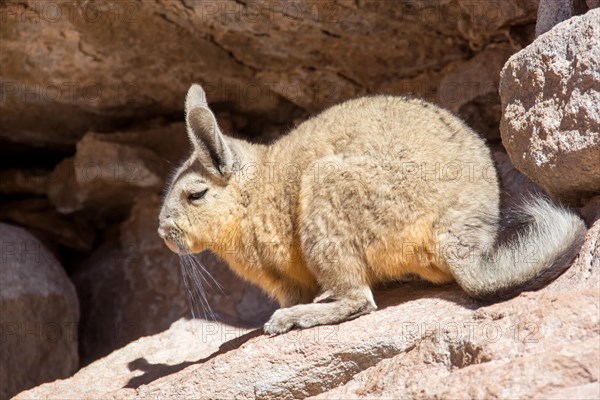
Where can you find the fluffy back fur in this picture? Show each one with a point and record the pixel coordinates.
(367, 191)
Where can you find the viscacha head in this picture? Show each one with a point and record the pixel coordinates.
(201, 198)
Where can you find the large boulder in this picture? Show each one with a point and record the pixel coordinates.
(423, 342)
(132, 287)
(39, 313)
(550, 124)
(98, 66)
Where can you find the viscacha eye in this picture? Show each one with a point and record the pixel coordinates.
(197, 195)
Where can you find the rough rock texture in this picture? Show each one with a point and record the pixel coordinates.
(109, 171)
(585, 271)
(98, 65)
(39, 313)
(550, 124)
(553, 12)
(141, 361)
(570, 369)
(470, 90)
(423, 342)
(131, 287)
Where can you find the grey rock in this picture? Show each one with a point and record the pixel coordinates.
(39, 313)
(553, 12)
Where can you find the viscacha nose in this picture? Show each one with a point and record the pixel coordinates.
(164, 227)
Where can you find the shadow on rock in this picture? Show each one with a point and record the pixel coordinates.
(153, 372)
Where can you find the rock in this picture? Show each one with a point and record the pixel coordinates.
(552, 12)
(514, 184)
(471, 91)
(109, 171)
(52, 228)
(566, 366)
(422, 342)
(483, 22)
(104, 83)
(39, 314)
(550, 124)
(169, 141)
(591, 211)
(20, 181)
(141, 361)
(131, 287)
(97, 67)
(586, 391)
(585, 271)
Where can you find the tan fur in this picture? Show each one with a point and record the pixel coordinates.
(365, 192)
(412, 251)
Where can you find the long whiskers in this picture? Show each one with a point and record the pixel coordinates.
(193, 275)
(199, 265)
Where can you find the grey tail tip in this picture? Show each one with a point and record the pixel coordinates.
(543, 279)
(537, 220)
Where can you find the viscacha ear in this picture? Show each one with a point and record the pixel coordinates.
(205, 135)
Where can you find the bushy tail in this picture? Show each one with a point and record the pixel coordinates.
(537, 252)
